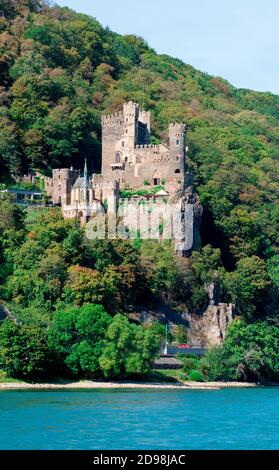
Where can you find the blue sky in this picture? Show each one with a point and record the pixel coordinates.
(235, 39)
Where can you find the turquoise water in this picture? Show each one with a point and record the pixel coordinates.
(140, 419)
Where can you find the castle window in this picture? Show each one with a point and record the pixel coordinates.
(82, 195)
(126, 131)
(177, 171)
(59, 187)
(177, 142)
(156, 178)
(123, 144)
(117, 158)
(178, 158)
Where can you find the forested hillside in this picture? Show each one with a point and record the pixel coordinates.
(59, 71)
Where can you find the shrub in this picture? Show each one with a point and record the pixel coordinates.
(196, 376)
(189, 363)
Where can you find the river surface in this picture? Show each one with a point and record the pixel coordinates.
(140, 419)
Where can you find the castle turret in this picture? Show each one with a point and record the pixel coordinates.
(131, 113)
(112, 132)
(177, 141)
(62, 181)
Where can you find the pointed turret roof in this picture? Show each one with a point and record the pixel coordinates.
(83, 181)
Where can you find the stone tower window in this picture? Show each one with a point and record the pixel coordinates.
(156, 178)
(117, 158)
(59, 187)
(82, 195)
(178, 158)
(177, 142)
(177, 171)
(123, 144)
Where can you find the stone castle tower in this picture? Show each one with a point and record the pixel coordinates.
(129, 158)
(60, 185)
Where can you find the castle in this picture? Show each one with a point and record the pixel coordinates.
(129, 162)
(150, 174)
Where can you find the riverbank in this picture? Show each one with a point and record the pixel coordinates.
(88, 384)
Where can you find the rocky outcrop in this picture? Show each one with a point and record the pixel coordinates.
(189, 220)
(4, 313)
(203, 330)
(210, 328)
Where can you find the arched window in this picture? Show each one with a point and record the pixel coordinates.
(117, 158)
(177, 171)
(156, 178)
(177, 158)
(82, 195)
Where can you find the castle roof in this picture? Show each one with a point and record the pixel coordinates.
(81, 183)
(161, 193)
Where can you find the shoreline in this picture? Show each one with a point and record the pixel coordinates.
(91, 385)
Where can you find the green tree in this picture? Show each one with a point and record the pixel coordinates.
(252, 351)
(84, 285)
(128, 349)
(11, 160)
(23, 350)
(11, 216)
(247, 285)
(77, 337)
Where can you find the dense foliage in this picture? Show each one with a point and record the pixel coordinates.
(59, 71)
(250, 353)
(78, 342)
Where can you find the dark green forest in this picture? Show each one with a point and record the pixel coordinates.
(59, 72)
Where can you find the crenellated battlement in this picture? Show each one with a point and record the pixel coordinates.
(177, 129)
(147, 146)
(99, 181)
(116, 119)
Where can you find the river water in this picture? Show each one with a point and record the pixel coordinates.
(242, 418)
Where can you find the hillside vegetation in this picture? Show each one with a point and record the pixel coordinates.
(59, 71)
